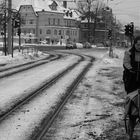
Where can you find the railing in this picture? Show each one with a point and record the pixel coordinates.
(29, 48)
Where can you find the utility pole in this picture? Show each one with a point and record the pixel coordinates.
(19, 31)
(5, 42)
(10, 51)
(88, 18)
(110, 30)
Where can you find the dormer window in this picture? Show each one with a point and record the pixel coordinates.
(53, 6)
(67, 13)
(70, 14)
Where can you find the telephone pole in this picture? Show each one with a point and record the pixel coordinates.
(10, 27)
(4, 26)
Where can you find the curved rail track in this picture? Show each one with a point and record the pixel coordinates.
(8, 71)
(47, 121)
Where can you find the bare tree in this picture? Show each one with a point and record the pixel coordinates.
(3, 23)
(4, 17)
(90, 10)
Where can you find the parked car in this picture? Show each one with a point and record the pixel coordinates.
(100, 45)
(74, 46)
(87, 45)
(1, 45)
(79, 45)
(43, 42)
(71, 45)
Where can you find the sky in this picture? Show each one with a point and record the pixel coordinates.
(126, 10)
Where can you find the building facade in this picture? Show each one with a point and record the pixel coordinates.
(101, 27)
(53, 24)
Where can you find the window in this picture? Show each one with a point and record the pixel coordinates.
(59, 32)
(31, 21)
(48, 31)
(65, 23)
(58, 21)
(54, 21)
(49, 21)
(40, 31)
(69, 23)
(23, 21)
(75, 33)
(54, 8)
(63, 32)
(33, 31)
(67, 32)
(55, 32)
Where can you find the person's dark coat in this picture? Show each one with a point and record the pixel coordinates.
(131, 74)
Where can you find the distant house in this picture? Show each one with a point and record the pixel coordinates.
(48, 20)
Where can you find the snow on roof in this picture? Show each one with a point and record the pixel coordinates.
(39, 5)
(76, 14)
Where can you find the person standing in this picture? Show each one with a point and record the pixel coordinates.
(131, 64)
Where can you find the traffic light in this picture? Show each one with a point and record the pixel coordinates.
(19, 31)
(16, 24)
(2, 33)
(129, 30)
(109, 34)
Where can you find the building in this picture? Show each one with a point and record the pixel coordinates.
(47, 20)
(101, 26)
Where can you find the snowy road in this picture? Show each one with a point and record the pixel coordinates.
(94, 110)
(17, 87)
(22, 123)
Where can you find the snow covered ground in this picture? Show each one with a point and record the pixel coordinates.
(96, 110)
(19, 58)
(103, 89)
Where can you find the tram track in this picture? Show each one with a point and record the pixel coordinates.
(48, 122)
(45, 86)
(36, 91)
(5, 72)
(26, 63)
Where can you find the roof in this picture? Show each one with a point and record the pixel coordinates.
(39, 5)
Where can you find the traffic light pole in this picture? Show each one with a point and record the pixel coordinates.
(12, 36)
(131, 40)
(19, 33)
(129, 32)
(9, 27)
(110, 49)
(4, 24)
(110, 43)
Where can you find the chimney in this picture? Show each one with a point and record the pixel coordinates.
(65, 4)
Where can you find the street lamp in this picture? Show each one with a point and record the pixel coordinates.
(108, 9)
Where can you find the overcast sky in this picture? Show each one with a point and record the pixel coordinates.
(126, 10)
